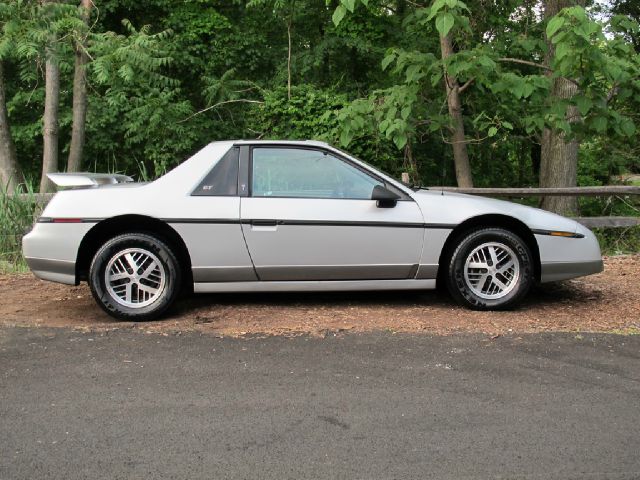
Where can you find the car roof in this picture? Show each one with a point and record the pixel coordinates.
(307, 143)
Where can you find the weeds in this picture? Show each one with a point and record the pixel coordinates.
(617, 241)
(17, 212)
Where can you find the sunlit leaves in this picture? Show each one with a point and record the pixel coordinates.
(554, 25)
(339, 14)
(444, 23)
(603, 70)
(342, 9)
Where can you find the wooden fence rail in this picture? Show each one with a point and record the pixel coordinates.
(590, 222)
(608, 222)
(606, 191)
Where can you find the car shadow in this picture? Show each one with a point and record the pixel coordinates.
(563, 292)
(540, 295)
(316, 299)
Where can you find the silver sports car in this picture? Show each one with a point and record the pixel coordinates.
(258, 216)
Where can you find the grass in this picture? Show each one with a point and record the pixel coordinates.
(626, 331)
(16, 218)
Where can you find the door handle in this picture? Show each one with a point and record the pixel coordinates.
(264, 223)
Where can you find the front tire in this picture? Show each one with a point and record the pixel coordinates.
(490, 269)
(135, 276)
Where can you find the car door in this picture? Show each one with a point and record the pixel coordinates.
(309, 216)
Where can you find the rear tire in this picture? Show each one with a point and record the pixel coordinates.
(490, 269)
(135, 276)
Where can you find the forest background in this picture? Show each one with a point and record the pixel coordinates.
(475, 93)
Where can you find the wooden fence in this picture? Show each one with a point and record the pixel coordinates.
(590, 222)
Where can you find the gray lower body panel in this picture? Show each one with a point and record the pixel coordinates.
(60, 271)
(315, 286)
(336, 272)
(555, 271)
(224, 274)
(427, 271)
(313, 272)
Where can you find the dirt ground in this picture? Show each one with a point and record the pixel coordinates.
(606, 302)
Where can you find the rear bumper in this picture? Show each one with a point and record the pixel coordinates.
(51, 250)
(61, 271)
(554, 271)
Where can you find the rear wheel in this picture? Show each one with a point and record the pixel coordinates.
(135, 276)
(490, 269)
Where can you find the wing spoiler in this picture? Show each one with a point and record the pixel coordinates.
(83, 179)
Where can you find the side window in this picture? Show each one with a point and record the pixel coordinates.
(222, 180)
(305, 173)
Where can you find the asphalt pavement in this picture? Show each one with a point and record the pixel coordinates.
(129, 405)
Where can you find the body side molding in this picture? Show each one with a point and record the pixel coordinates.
(315, 286)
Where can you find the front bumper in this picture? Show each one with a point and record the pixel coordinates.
(563, 258)
(555, 271)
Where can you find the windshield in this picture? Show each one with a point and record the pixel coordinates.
(378, 169)
(412, 186)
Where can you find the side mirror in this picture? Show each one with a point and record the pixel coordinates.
(384, 197)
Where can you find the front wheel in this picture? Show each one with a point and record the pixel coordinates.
(135, 276)
(490, 269)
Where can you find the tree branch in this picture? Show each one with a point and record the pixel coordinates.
(533, 64)
(613, 92)
(525, 62)
(239, 100)
(466, 85)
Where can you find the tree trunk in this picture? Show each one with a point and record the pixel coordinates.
(460, 155)
(410, 164)
(289, 22)
(559, 159)
(10, 174)
(74, 162)
(559, 156)
(50, 127)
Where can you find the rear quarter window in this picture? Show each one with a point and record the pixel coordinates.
(222, 180)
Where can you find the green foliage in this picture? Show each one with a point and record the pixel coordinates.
(448, 13)
(308, 115)
(603, 69)
(343, 7)
(506, 99)
(617, 241)
(167, 77)
(225, 87)
(16, 217)
(138, 57)
(391, 111)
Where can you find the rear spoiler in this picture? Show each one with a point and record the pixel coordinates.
(83, 179)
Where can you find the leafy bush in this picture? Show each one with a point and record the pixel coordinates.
(307, 115)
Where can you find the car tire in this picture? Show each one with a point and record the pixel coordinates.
(141, 293)
(490, 269)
